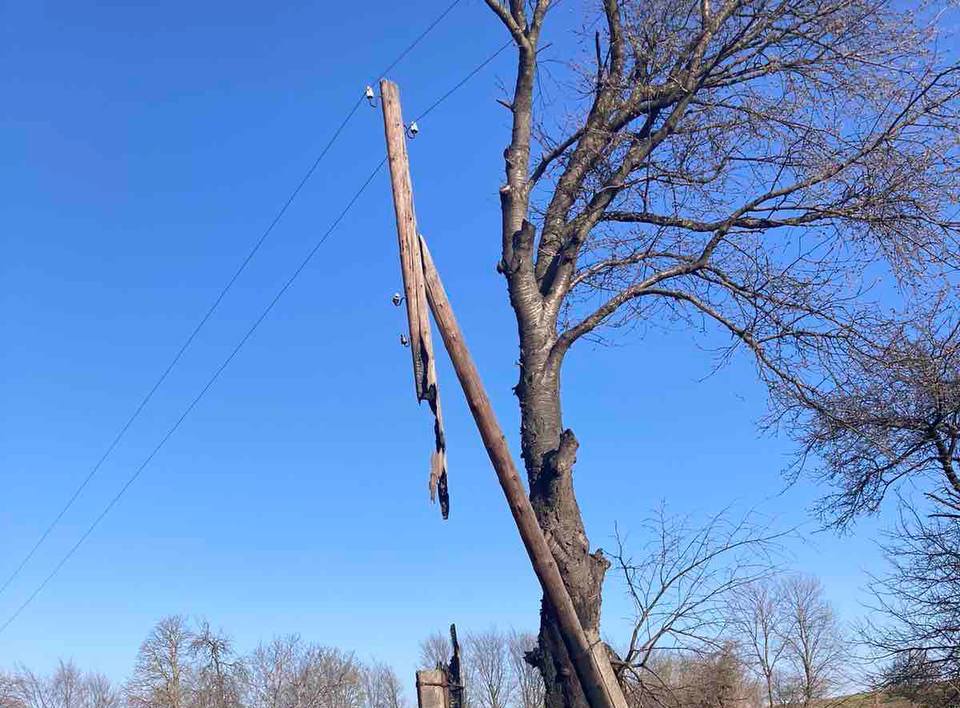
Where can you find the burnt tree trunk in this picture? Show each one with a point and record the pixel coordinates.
(549, 453)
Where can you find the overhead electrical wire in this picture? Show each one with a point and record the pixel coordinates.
(230, 357)
(400, 57)
(216, 374)
(476, 70)
(215, 305)
(180, 352)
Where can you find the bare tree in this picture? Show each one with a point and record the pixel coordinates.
(434, 650)
(66, 687)
(758, 623)
(712, 679)
(790, 639)
(894, 416)
(272, 670)
(917, 604)
(197, 667)
(332, 679)
(287, 673)
(893, 423)
(8, 692)
(751, 164)
(381, 687)
(529, 683)
(100, 692)
(490, 679)
(814, 647)
(721, 681)
(681, 585)
(778, 628)
(219, 675)
(913, 676)
(29, 690)
(162, 676)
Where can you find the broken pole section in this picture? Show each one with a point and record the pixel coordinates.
(432, 689)
(418, 314)
(592, 663)
(442, 687)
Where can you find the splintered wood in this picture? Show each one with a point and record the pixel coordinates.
(442, 687)
(418, 312)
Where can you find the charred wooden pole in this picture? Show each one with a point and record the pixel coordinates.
(454, 669)
(590, 659)
(442, 687)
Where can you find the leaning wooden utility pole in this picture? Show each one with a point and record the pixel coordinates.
(590, 659)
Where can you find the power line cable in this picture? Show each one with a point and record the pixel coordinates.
(420, 37)
(216, 374)
(476, 70)
(183, 348)
(215, 305)
(243, 340)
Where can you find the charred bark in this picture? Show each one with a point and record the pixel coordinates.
(549, 453)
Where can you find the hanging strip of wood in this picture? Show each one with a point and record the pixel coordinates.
(411, 266)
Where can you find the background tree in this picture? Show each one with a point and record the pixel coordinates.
(917, 630)
(895, 425)
(893, 417)
(757, 621)
(435, 649)
(721, 680)
(66, 687)
(381, 687)
(529, 693)
(163, 676)
(491, 678)
(752, 164)
(8, 698)
(289, 673)
(914, 677)
(814, 648)
(101, 693)
(219, 674)
(681, 586)
(711, 679)
(769, 640)
(333, 679)
(272, 671)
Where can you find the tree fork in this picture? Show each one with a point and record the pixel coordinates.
(591, 662)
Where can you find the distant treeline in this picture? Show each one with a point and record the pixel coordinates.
(190, 665)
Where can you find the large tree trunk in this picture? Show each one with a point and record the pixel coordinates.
(549, 453)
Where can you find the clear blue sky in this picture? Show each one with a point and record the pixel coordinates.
(145, 147)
